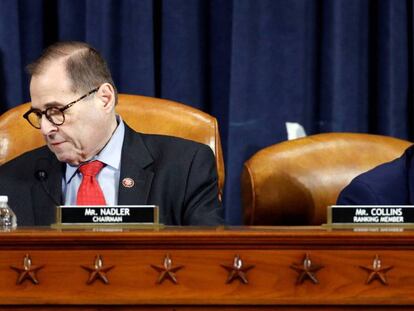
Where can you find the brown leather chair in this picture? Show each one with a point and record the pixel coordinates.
(292, 183)
(144, 114)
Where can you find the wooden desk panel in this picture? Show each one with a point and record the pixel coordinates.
(202, 280)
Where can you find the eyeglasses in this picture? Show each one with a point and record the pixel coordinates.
(54, 114)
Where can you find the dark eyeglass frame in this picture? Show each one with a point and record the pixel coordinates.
(47, 112)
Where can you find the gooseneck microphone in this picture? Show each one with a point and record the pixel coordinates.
(42, 167)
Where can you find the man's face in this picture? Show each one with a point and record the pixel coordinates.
(87, 126)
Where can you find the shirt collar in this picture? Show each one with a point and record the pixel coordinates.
(110, 154)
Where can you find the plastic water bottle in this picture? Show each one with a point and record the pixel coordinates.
(8, 218)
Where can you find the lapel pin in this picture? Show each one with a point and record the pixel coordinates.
(128, 182)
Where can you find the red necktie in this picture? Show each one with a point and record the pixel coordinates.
(89, 192)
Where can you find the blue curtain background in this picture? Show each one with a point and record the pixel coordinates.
(342, 65)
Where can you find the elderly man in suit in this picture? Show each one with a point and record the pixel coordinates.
(93, 158)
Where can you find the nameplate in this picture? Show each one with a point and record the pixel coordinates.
(107, 215)
(356, 215)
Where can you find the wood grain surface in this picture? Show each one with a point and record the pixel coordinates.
(201, 283)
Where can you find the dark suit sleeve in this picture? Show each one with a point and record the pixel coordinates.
(358, 193)
(202, 207)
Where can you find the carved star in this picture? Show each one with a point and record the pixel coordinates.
(376, 271)
(97, 271)
(307, 270)
(237, 270)
(167, 271)
(28, 272)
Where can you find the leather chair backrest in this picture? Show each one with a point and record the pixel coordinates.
(143, 114)
(293, 182)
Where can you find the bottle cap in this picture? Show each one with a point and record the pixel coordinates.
(4, 198)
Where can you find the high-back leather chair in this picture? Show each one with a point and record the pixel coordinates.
(143, 114)
(293, 182)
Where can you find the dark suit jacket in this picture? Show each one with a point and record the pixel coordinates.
(387, 184)
(178, 175)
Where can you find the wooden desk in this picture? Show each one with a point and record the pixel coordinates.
(272, 282)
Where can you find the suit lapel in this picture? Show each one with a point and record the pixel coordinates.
(55, 179)
(135, 177)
